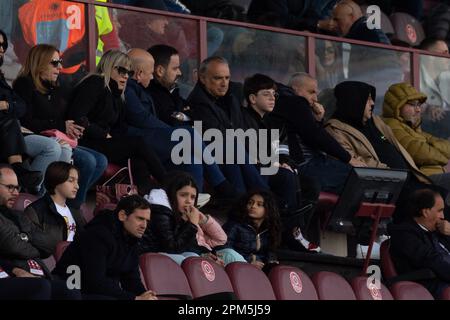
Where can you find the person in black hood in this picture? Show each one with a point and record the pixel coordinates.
(107, 253)
(369, 140)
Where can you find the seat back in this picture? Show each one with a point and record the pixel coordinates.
(365, 291)
(331, 286)
(408, 290)
(249, 283)
(164, 276)
(290, 283)
(407, 28)
(387, 265)
(386, 24)
(24, 200)
(445, 295)
(60, 248)
(207, 279)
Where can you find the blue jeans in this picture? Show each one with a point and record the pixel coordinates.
(329, 172)
(229, 255)
(91, 164)
(160, 141)
(45, 150)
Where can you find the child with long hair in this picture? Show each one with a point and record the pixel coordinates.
(256, 231)
(178, 229)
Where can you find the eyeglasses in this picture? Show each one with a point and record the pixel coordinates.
(4, 45)
(269, 94)
(414, 104)
(56, 63)
(11, 187)
(124, 71)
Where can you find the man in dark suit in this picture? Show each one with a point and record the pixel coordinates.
(423, 241)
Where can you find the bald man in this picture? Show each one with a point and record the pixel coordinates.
(349, 22)
(142, 120)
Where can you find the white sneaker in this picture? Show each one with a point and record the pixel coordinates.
(311, 247)
(203, 199)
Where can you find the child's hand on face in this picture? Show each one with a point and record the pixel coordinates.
(192, 214)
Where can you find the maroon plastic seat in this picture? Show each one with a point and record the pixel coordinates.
(408, 290)
(445, 294)
(164, 276)
(407, 28)
(327, 201)
(60, 248)
(24, 200)
(368, 292)
(331, 286)
(387, 265)
(110, 170)
(249, 283)
(207, 279)
(50, 263)
(290, 283)
(386, 24)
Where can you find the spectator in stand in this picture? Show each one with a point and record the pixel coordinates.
(370, 141)
(256, 231)
(423, 240)
(292, 191)
(51, 214)
(435, 83)
(292, 14)
(330, 70)
(316, 153)
(23, 288)
(107, 253)
(221, 9)
(216, 106)
(437, 23)
(13, 147)
(402, 112)
(141, 114)
(179, 230)
(100, 99)
(149, 4)
(19, 253)
(46, 108)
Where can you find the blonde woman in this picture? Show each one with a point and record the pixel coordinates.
(99, 100)
(46, 109)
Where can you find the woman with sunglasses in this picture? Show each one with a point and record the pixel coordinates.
(100, 98)
(46, 109)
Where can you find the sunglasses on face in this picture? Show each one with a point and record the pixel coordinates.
(124, 71)
(4, 45)
(56, 63)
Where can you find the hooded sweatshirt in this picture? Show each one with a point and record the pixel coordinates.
(430, 154)
(351, 99)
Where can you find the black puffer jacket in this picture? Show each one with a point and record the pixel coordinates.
(167, 232)
(46, 218)
(107, 257)
(19, 240)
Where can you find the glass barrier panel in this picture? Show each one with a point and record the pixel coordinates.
(435, 83)
(59, 23)
(337, 62)
(142, 30)
(251, 51)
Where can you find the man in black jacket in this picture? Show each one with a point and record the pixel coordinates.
(423, 241)
(317, 154)
(106, 252)
(19, 240)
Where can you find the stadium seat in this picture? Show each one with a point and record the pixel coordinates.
(24, 200)
(249, 283)
(364, 292)
(407, 28)
(331, 286)
(207, 279)
(290, 283)
(60, 248)
(325, 204)
(50, 263)
(164, 276)
(446, 294)
(110, 170)
(408, 290)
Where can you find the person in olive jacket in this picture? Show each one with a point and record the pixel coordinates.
(50, 213)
